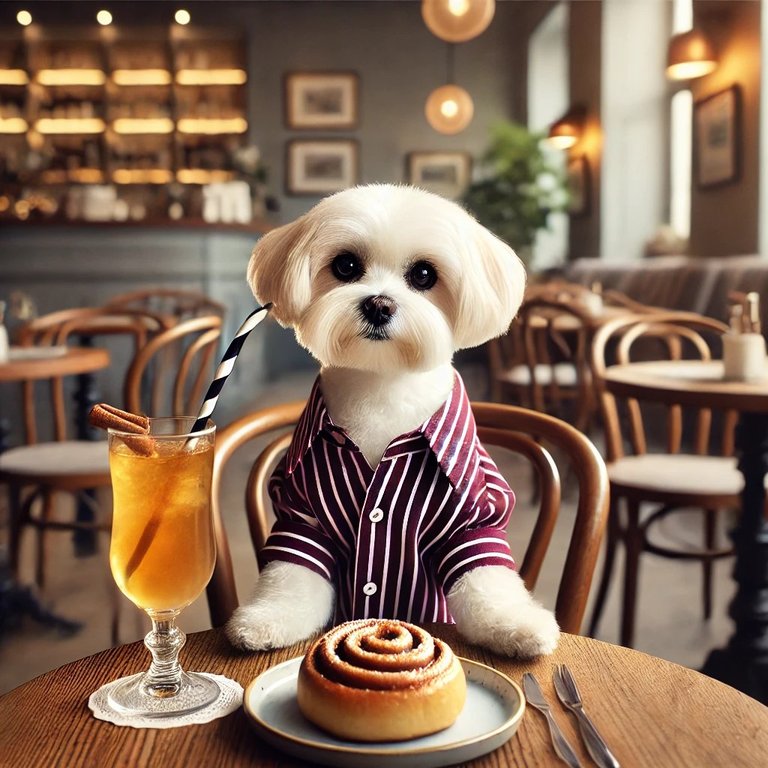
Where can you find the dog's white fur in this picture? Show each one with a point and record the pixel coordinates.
(379, 389)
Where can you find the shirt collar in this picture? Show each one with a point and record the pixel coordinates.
(450, 431)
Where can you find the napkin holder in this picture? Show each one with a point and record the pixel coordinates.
(744, 357)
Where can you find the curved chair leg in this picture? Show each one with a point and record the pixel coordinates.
(15, 525)
(710, 536)
(42, 538)
(633, 547)
(612, 538)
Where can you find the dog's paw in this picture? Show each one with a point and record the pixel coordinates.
(290, 603)
(250, 630)
(532, 631)
(492, 608)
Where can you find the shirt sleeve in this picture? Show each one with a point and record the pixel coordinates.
(482, 540)
(296, 536)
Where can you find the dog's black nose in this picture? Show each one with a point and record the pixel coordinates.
(378, 310)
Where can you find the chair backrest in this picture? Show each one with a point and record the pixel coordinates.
(523, 432)
(658, 336)
(155, 368)
(177, 304)
(125, 332)
(169, 374)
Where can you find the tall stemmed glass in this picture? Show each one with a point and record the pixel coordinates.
(162, 555)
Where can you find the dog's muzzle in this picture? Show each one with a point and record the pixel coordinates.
(378, 310)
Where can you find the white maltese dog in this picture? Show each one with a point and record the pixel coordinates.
(386, 503)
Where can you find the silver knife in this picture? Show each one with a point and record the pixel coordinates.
(568, 693)
(535, 698)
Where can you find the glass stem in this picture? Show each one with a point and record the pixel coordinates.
(164, 643)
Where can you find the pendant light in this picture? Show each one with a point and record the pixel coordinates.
(690, 55)
(449, 108)
(457, 21)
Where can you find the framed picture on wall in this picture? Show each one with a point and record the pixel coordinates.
(321, 166)
(445, 173)
(321, 100)
(717, 132)
(577, 176)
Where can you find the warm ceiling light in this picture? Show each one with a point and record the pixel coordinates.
(143, 125)
(13, 77)
(449, 109)
(457, 21)
(566, 131)
(182, 16)
(141, 77)
(212, 126)
(71, 77)
(690, 55)
(24, 18)
(211, 76)
(104, 18)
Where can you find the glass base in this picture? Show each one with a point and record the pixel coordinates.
(132, 696)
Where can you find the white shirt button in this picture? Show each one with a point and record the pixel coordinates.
(376, 515)
(370, 589)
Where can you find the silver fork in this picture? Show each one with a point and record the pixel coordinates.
(568, 693)
(535, 698)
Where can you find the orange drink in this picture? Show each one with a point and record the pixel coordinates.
(162, 549)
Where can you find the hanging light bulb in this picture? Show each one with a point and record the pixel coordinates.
(449, 109)
(457, 21)
(690, 55)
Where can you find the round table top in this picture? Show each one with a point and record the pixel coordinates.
(45, 362)
(687, 382)
(651, 712)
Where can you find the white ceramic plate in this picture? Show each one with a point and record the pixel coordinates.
(491, 715)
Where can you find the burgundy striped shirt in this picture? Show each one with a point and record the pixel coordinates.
(395, 538)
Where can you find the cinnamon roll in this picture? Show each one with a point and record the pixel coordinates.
(380, 680)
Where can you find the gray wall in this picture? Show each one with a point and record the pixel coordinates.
(399, 62)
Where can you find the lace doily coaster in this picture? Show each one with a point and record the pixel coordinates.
(230, 699)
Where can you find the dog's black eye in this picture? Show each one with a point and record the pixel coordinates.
(347, 267)
(421, 276)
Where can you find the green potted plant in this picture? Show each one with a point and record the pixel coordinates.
(518, 185)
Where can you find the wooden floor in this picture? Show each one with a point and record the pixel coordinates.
(669, 626)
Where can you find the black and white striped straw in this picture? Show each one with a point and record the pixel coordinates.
(227, 364)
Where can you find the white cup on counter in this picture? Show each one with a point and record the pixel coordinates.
(744, 357)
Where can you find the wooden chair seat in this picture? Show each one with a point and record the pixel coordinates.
(562, 374)
(679, 475)
(83, 461)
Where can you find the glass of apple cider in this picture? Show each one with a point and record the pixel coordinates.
(162, 554)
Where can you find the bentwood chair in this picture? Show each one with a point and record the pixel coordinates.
(173, 303)
(542, 361)
(39, 471)
(661, 460)
(527, 435)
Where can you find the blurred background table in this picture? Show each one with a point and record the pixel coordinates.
(743, 663)
(650, 711)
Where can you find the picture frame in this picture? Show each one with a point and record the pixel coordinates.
(321, 166)
(717, 132)
(579, 183)
(445, 173)
(321, 100)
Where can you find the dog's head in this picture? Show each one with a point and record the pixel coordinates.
(386, 277)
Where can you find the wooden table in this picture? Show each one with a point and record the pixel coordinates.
(651, 712)
(744, 661)
(60, 362)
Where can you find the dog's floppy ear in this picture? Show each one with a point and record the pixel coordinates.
(491, 290)
(279, 270)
